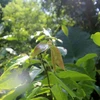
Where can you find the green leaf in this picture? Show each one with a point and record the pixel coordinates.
(33, 93)
(85, 58)
(11, 77)
(16, 92)
(90, 68)
(63, 85)
(58, 92)
(76, 76)
(18, 60)
(39, 98)
(75, 87)
(9, 37)
(41, 47)
(65, 30)
(44, 90)
(96, 38)
(97, 89)
(98, 72)
(40, 38)
(34, 72)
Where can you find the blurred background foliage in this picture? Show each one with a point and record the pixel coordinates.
(24, 22)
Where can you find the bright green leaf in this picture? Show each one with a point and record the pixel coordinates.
(65, 30)
(96, 38)
(85, 58)
(40, 38)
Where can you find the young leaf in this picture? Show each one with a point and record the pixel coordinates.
(96, 38)
(56, 57)
(65, 30)
(39, 48)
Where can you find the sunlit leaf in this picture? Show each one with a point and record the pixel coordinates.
(40, 38)
(62, 50)
(16, 92)
(18, 60)
(11, 76)
(96, 38)
(46, 32)
(11, 51)
(34, 72)
(40, 48)
(13, 79)
(65, 30)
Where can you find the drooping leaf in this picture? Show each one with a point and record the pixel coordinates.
(40, 48)
(65, 30)
(56, 57)
(96, 38)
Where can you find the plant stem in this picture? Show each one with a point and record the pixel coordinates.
(46, 71)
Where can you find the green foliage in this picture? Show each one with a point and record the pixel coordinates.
(33, 82)
(21, 20)
(37, 71)
(65, 30)
(96, 38)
